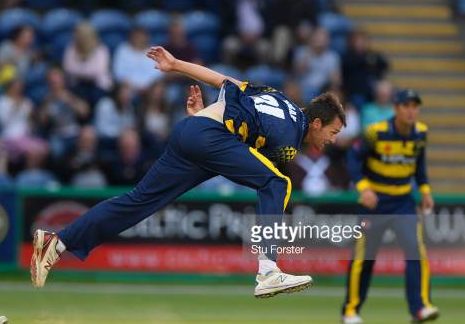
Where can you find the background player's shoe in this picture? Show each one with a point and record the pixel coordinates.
(354, 319)
(276, 282)
(426, 314)
(3, 320)
(44, 257)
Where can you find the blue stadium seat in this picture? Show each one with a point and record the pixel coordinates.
(338, 27)
(60, 20)
(56, 46)
(158, 39)
(13, 18)
(335, 23)
(207, 46)
(266, 75)
(153, 21)
(110, 20)
(112, 25)
(113, 39)
(200, 23)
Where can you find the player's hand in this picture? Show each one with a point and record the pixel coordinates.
(368, 199)
(194, 100)
(164, 60)
(427, 204)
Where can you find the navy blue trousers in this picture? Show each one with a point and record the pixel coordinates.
(199, 148)
(399, 214)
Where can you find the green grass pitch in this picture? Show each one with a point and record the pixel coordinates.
(102, 303)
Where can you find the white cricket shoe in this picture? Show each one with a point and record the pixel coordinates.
(426, 314)
(277, 282)
(354, 319)
(44, 257)
(3, 320)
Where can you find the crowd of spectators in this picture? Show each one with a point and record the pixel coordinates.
(85, 107)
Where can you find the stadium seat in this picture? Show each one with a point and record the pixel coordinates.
(264, 74)
(58, 21)
(153, 21)
(113, 39)
(112, 25)
(13, 18)
(158, 39)
(207, 46)
(338, 27)
(110, 20)
(55, 48)
(200, 23)
(335, 23)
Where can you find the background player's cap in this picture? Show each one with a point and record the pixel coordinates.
(406, 95)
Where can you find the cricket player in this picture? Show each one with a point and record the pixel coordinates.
(241, 137)
(383, 167)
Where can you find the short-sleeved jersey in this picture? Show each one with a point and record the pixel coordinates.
(387, 162)
(265, 119)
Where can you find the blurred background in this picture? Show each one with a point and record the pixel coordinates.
(83, 115)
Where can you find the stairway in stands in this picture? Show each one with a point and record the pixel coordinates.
(427, 53)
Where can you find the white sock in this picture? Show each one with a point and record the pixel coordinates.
(60, 247)
(265, 266)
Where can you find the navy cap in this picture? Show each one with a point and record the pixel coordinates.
(407, 95)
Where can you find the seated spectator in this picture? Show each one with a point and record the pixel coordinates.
(154, 117)
(313, 173)
(130, 64)
(178, 44)
(114, 114)
(316, 65)
(130, 163)
(87, 63)
(381, 108)
(361, 68)
(16, 121)
(5, 179)
(249, 48)
(82, 166)
(17, 54)
(61, 113)
(35, 175)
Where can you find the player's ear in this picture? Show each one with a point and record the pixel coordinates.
(316, 123)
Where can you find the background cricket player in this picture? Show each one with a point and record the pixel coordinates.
(383, 166)
(237, 137)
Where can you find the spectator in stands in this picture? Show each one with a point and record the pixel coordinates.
(154, 117)
(178, 43)
(82, 165)
(361, 68)
(35, 174)
(61, 113)
(249, 48)
(5, 179)
(130, 64)
(115, 113)
(313, 172)
(130, 163)
(316, 65)
(17, 54)
(381, 108)
(87, 63)
(16, 121)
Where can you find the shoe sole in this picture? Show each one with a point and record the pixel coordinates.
(37, 244)
(287, 290)
(431, 317)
